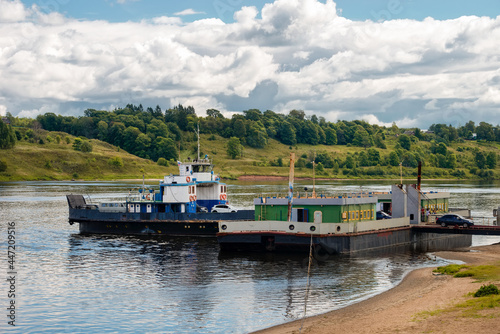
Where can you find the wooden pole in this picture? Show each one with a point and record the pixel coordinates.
(290, 185)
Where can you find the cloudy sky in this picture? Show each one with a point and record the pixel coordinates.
(413, 62)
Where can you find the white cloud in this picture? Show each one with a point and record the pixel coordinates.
(33, 113)
(297, 54)
(3, 110)
(167, 20)
(121, 2)
(12, 11)
(188, 11)
(372, 119)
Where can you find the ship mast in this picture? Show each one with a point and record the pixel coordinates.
(290, 185)
(198, 141)
(314, 177)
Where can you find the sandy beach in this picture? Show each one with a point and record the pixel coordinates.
(399, 309)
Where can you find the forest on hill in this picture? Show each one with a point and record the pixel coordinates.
(341, 149)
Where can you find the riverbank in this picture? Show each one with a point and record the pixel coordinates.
(410, 306)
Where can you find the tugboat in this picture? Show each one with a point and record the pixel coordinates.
(181, 206)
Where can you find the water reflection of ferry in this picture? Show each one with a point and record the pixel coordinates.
(181, 206)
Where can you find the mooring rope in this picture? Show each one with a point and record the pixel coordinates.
(307, 283)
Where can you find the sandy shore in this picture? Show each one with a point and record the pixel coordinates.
(396, 310)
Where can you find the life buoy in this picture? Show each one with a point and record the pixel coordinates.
(148, 197)
(188, 179)
(191, 198)
(194, 197)
(222, 197)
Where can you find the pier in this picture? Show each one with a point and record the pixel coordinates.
(474, 230)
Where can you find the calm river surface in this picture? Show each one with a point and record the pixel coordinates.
(66, 282)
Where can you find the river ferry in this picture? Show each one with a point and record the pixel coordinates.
(342, 224)
(182, 205)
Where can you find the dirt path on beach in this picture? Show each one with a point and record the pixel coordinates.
(396, 310)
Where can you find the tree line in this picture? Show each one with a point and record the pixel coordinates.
(156, 134)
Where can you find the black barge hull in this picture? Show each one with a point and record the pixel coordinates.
(181, 224)
(398, 238)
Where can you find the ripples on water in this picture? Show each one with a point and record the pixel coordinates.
(73, 283)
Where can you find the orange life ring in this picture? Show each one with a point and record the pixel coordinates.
(188, 179)
(194, 197)
(221, 197)
(190, 198)
(148, 197)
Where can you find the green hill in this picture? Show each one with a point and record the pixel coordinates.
(264, 162)
(47, 159)
(59, 161)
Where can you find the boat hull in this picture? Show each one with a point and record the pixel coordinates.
(181, 224)
(323, 245)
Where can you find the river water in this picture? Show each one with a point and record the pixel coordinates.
(66, 282)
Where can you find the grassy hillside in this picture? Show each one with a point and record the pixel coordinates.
(53, 161)
(59, 161)
(259, 161)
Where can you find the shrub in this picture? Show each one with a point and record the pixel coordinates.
(162, 162)
(116, 161)
(86, 147)
(487, 290)
(3, 166)
(77, 144)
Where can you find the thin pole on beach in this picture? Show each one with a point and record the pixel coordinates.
(307, 283)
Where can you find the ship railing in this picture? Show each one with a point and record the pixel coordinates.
(140, 198)
(434, 190)
(202, 160)
(491, 221)
(309, 194)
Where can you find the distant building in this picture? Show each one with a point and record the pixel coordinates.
(5, 120)
(409, 132)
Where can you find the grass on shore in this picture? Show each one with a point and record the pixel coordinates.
(473, 307)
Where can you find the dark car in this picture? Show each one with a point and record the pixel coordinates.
(200, 208)
(382, 215)
(453, 219)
